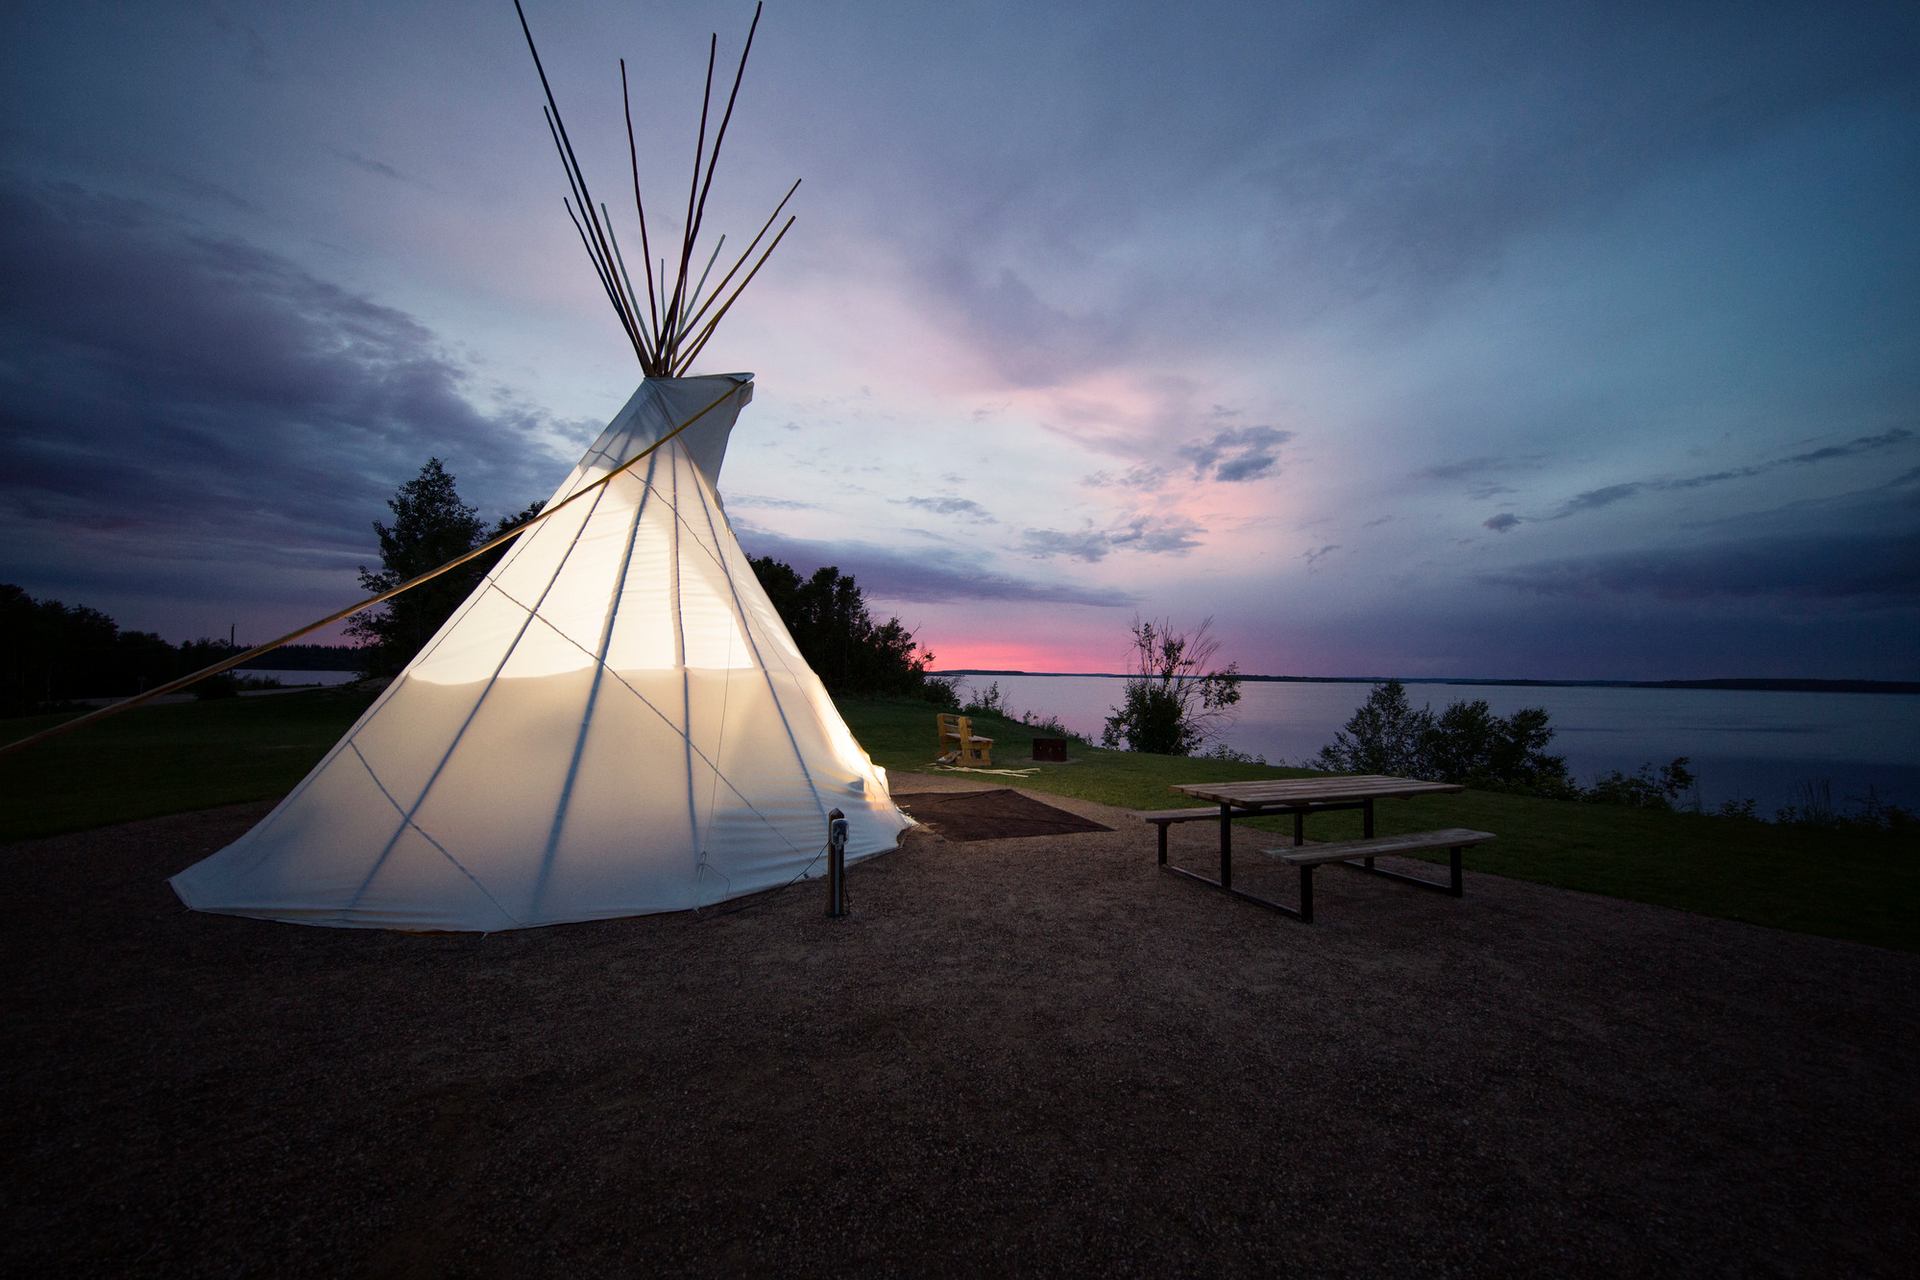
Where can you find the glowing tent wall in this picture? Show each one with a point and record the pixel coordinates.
(615, 722)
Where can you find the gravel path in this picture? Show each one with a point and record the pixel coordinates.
(1034, 1054)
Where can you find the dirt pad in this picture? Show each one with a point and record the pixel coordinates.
(998, 1062)
(1002, 814)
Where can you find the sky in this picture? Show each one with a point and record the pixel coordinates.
(1573, 341)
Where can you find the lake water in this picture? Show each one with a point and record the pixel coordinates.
(1742, 744)
(292, 679)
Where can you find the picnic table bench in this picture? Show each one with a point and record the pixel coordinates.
(1300, 797)
(1452, 839)
(1164, 818)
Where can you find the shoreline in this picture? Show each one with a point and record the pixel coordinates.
(1732, 683)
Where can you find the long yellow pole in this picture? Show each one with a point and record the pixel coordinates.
(227, 664)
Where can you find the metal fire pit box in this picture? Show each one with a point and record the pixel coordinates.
(1050, 749)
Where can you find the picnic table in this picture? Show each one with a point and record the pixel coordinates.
(1300, 797)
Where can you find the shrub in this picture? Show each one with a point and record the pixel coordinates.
(940, 692)
(1817, 809)
(1386, 735)
(987, 702)
(1048, 726)
(1647, 789)
(1466, 744)
(1174, 701)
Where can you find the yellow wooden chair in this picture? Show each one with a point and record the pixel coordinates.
(959, 745)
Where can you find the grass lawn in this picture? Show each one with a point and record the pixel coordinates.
(168, 759)
(1860, 885)
(1863, 886)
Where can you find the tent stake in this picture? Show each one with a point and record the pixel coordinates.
(836, 864)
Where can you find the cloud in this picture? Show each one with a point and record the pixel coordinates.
(1238, 453)
(929, 574)
(1172, 535)
(1594, 499)
(1143, 476)
(218, 401)
(1479, 473)
(384, 170)
(1428, 186)
(771, 504)
(1472, 468)
(1859, 444)
(1086, 544)
(1869, 569)
(1500, 523)
(964, 507)
(1313, 555)
(1025, 339)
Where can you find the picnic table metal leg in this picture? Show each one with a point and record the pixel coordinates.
(1163, 842)
(1366, 820)
(1299, 826)
(1226, 846)
(1456, 886)
(1306, 894)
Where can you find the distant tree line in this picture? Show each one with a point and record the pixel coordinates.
(311, 657)
(825, 613)
(850, 652)
(51, 653)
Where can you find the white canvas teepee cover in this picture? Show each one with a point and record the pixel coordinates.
(615, 722)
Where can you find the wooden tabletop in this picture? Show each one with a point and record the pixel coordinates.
(1298, 791)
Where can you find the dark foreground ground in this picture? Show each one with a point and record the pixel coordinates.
(1033, 1054)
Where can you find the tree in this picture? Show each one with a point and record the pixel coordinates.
(828, 619)
(1174, 701)
(1649, 788)
(50, 652)
(1386, 735)
(1466, 743)
(431, 526)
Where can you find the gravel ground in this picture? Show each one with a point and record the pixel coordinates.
(960, 817)
(1034, 1054)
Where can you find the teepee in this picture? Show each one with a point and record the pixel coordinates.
(615, 722)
